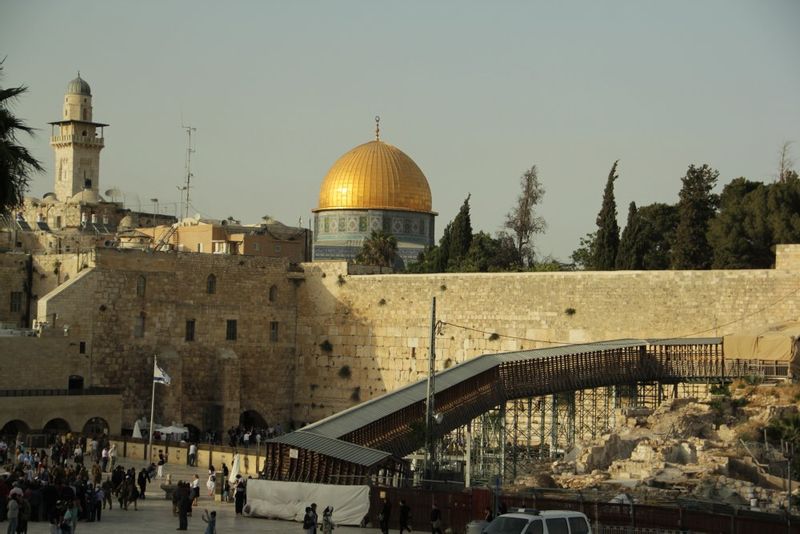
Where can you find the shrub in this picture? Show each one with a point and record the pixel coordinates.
(326, 346)
(344, 372)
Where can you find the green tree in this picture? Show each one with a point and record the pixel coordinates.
(606, 242)
(379, 249)
(630, 255)
(740, 235)
(696, 207)
(16, 163)
(656, 233)
(783, 208)
(488, 254)
(582, 256)
(460, 237)
(522, 221)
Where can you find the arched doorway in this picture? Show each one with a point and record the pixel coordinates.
(194, 433)
(95, 426)
(252, 419)
(12, 428)
(56, 426)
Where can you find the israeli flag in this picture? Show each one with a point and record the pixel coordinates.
(159, 376)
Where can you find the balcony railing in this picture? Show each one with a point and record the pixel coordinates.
(58, 392)
(82, 139)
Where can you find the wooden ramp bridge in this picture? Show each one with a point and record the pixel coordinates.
(374, 437)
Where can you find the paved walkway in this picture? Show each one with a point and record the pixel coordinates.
(155, 514)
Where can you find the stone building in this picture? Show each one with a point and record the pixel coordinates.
(223, 327)
(282, 342)
(271, 238)
(75, 216)
(374, 186)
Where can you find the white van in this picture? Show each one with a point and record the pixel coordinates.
(527, 521)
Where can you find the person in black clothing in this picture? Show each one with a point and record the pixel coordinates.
(239, 494)
(143, 479)
(184, 505)
(405, 516)
(383, 518)
(436, 520)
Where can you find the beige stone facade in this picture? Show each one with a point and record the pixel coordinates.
(273, 240)
(134, 305)
(341, 338)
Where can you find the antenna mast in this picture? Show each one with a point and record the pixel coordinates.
(189, 152)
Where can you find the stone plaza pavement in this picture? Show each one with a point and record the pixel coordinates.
(155, 514)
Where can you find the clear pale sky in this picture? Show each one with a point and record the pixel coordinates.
(475, 93)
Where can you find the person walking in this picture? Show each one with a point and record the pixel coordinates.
(13, 513)
(310, 519)
(405, 516)
(383, 517)
(211, 483)
(193, 455)
(239, 494)
(308, 522)
(112, 456)
(184, 506)
(142, 479)
(436, 520)
(161, 461)
(211, 521)
(195, 490)
(327, 520)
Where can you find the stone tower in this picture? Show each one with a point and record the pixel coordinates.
(77, 144)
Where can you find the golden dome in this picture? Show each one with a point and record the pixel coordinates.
(375, 175)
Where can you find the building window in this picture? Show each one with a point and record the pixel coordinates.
(138, 329)
(189, 330)
(273, 331)
(82, 347)
(199, 247)
(58, 221)
(273, 293)
(16, 301)
(141, 285)
(211, 284)
(230, 330)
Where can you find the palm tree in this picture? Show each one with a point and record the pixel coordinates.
(16, 163)
(380, 250)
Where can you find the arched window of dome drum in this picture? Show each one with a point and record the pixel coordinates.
(273, 293)
(211, 284)
(141, 285)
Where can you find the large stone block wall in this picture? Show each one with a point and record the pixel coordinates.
(13, 277)
(379, 325)
(102, 305)
(75, 410)
(348, 338)
(41, 362)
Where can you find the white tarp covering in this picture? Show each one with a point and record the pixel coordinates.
(288, 500)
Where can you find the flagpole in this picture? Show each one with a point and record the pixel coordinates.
(152, 410)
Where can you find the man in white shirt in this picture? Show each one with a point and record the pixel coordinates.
(193, 455)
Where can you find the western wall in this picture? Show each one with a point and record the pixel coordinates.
(342, 337)
(379, 325)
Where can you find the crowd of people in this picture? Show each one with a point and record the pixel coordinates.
(72, 479)
(247, 436)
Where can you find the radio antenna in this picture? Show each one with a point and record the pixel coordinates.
(189, 151)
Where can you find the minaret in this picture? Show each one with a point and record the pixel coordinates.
(77, 145)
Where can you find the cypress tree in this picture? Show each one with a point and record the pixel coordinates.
(696, 207)
(606, 243)
(630, 253)
(460, 237)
